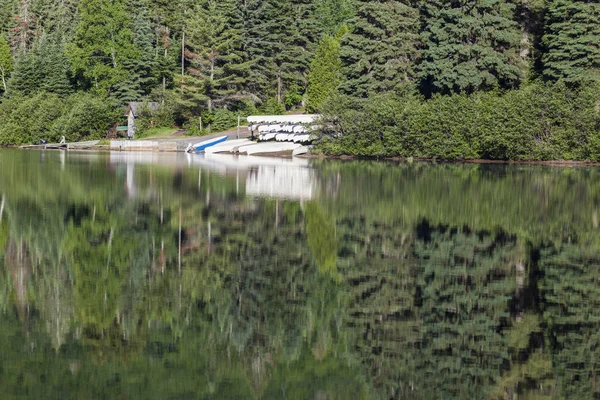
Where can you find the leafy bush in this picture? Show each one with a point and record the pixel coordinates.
(537, 122)
(29, 119)
(85, 117)
(47, 116)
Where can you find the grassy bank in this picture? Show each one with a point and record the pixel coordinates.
(537, 122)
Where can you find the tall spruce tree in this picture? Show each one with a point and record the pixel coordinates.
(142, 69)
(103, 43)
(279, 43)
(213, 51)
(469, 46)
(55, 17)
(380, 52)
(43, 68)
(572, 41)
(54, 67)
(8, 10)
(266, 31)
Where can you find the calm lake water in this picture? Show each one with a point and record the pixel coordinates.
(163, 276)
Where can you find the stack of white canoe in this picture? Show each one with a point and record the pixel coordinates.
(283, 128)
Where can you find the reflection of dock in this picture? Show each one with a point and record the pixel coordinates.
(139, 157)
(282, 183)
(286, 178)
(269, 177)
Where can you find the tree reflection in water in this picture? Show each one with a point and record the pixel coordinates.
(170, 276)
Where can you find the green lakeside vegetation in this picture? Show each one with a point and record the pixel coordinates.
(460, 281)
(499, 79)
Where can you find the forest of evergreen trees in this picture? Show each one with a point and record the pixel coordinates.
(71, 64)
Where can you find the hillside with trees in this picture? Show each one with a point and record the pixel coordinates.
(216, 60)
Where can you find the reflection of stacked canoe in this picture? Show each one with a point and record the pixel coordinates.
(283, 128)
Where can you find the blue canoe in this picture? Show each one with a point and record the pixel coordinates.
(201, 146)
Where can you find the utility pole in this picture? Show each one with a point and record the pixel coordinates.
(183, 43)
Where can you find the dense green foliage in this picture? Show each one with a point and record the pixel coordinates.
(48, 116)
(394, 281)
(215, 60)
(469, 48)
(572, 41)
(536, 122)
(379, 54)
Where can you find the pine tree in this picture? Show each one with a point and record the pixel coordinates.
(5, 62)
(469, 47)
(325, 73)
(54, 67)
(142, 69)
(279, 41)
(572, 41)
(57, 18)
(102, 43)
(8, 10)
(379, 54)
(264, 39)
(26, 78)
(43, 68)
(210, 42)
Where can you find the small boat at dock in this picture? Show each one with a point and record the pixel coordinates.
(201, 146)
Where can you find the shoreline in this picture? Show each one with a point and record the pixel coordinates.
(556, 163)
(288, 154)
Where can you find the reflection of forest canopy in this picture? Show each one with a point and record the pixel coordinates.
(400, 282)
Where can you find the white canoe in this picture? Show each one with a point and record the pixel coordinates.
(227, 146)
(272, 147)
(269, 136)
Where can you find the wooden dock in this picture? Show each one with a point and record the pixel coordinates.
(62, 146)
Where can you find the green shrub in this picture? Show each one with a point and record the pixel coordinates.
(85, 117)
(46, 116)
(29, 119)
(537, 122)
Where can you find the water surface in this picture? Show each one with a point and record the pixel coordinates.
(172, 276)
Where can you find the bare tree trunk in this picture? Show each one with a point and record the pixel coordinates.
(212, 78)
(2, 208)
(183, 45)
(279, 87)
(3, 79)
(24, 16)
(166, 54)
(183, 53)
